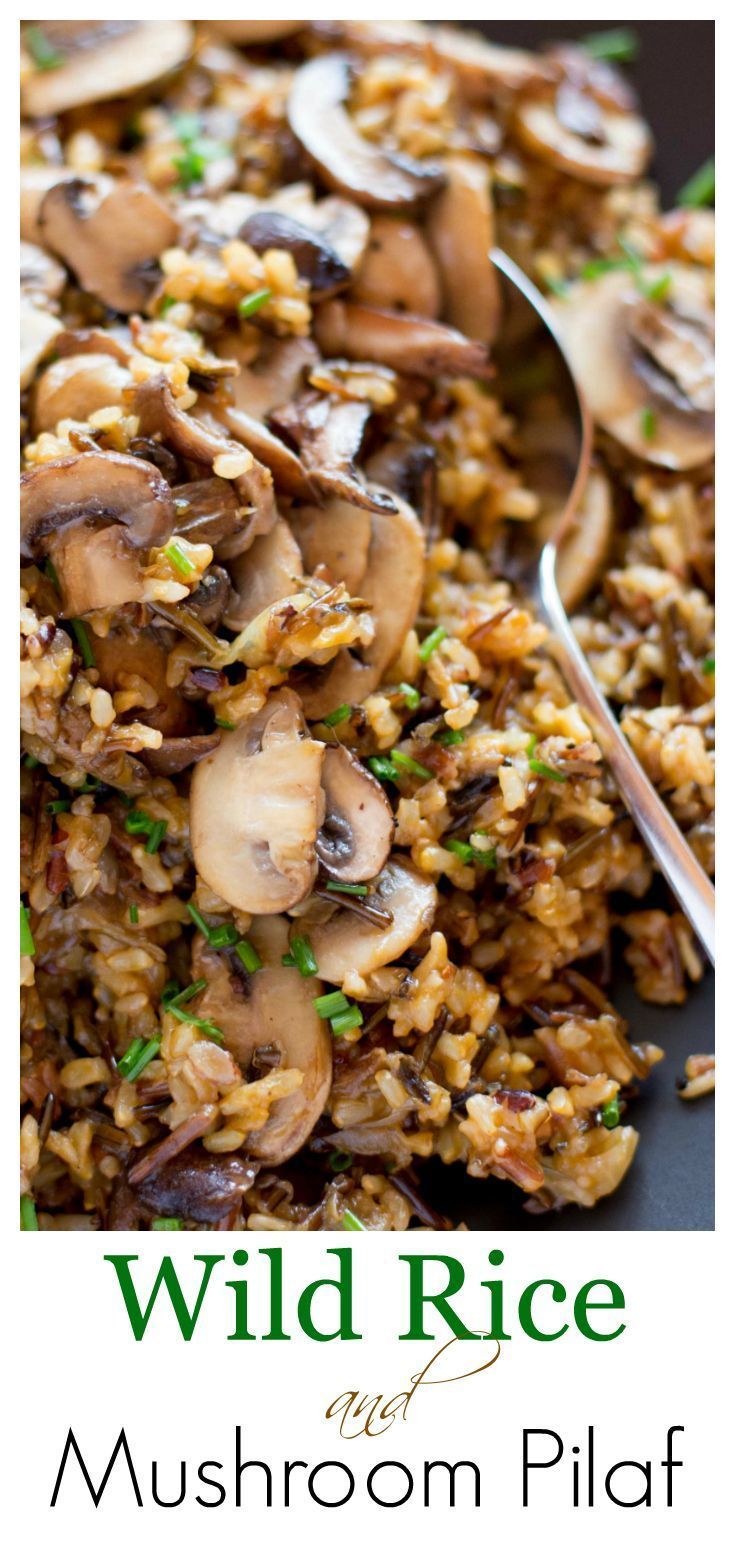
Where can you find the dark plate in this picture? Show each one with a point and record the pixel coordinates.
(670, 1185)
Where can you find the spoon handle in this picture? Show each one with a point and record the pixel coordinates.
(666, 843)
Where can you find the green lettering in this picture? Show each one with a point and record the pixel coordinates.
(418, 1297)
(166, 1276)
(525, 1310)
(583, 1304)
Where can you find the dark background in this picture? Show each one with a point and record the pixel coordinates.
(670, 1185)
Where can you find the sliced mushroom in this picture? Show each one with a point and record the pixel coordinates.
(410, 344)
(346, 944)
(102, 59)
(647, 366)
(336, 536)
(410, 470)
(209, 600)
(392, 586)
(267, 572)
(35, 182)
(483, 70)
(283, 465)
(195, 1185)
(579, 133)
(95, 515)
(256, 806)
(40, 276)
(76, 387)
(124, 656)
(355, 839)
(245, 32)
(274, 1006)
(328, 434)
(274, 377)
(584, 551)
(110, 237)
(38, 333)
(348, 162)
(177, 754)
(460, 230)
(398, 271)
(315, 259)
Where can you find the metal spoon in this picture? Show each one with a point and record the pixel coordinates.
(554, 452)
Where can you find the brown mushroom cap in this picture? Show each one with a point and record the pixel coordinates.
(328, 433)
(110, 237)
(640, 361)
(94, 489)
(411, 345)
(256, 806)
(584, 550)
(40, 276)
(592, 140)
(354, 841)
(274, 1006)
(274, 377)
(38, 333)
(102, 59)
(397, 271)
(335, 535)
(245, 32)
(460, 228)
(35, 182)
(267, 572)
(315, 260)
(318, 117)
(347, 944)
(125, 653)
(76, 387)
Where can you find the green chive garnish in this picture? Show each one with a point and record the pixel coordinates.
(156, 836)
(198, 919)
(303, 953)
(192, 165)
(167, 304)
(248, 956)
(167, 1225)
(461, 849)
(340, 714)
(50, 572)
(412, 696)
(558, 287)
(179, 559)
(187, 126)
(340, 1160)
(31, 762)
(27, 944)
(350, 1222)
(343, 1021)
(359, 889)
(431, 643)
(485, 858)
(618, 46)
(137, 1056)
(383, 769)
(699, 191)
(288, 960)
(133, 915)
(46, 57)
(221, 722)
(649, 423)
(610, 1113)
(708, 664)
(59, 805)
(28, 1216)
(223, 936)
(658, 288)
(252, 303)
(540, 769)
(331, 1005)
(83, 643)
(404, 762)
(451, 737)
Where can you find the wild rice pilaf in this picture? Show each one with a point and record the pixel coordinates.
(320, 865)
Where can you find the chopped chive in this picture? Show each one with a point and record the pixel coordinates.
(187, 126)
(31, 762)
(330, 1005)
(223, 936)
(198, 919)
(167, 304)
(383, 769)
(156, 836)
(343, 1021)
(83, 643)
(138, 823)
(350, 1222)
(43, 54)
(451, 737)
(177, 556)
(699, 191)
(618, 46)
(252, 303)
(485, 858)
(610, 1113)
(708, 664)
(648, 423)
(288, 960)
(221, 722)
(460, 848)
(137, 1056)
(59, 805)
(404, 762)
(171, 995)
(557, 286)
(205, 1024)
(249, 956)
(192, 165)
(340, 714)
(167, 1225)
(303, 953)
(540, 769)
(412, 695)
(90, 784)
(359, 889)
(431, 643)
(133, 915)
(658, 288)
(340, 1161)
(50, 572)
(27, 944)
(28, 1216)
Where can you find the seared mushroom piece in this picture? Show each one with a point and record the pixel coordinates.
(255, 32)
(102, 59)
(209, 600)
(583, 553)
(110, 236)
(398, 271)
(281, 463)
(39, 330)
(35, 182)
(646, 366)
(76, 387)
(40, 276)
(354, 841)
(267, 572)
(195, 1185)
(274, 377)
(177, 754)
(328, 434)
(95, 515)
(256, 806)
(346, 944)
(315, 259)
(584, 132)
(483, 70)
(392, 587)
(318, 117)
(275, 1006)
(460, 230)
(125, 656)
(412, 345)
(336, 536)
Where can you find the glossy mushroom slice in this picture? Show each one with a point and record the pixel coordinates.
(39, 330)
(267, 572)
(412, 345)
(483, 70)
(255, 32)
(398, 271)
(315, 260)
(35, 182)
(273, 1008)
(354, 841)
(273, 378)
(328, 433)
(346, 944)
(396, 551)
(127, 659)
(334, 536)
(346, 161)
(256, 806)
(40, 276)
(76, 387)
(111, 237)
(97, 60)
(96, 515)
(460, 228)
(581, 559)
(646, 366)
(583, 133)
